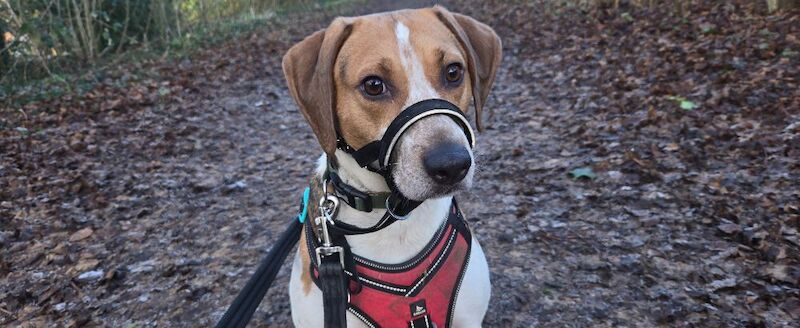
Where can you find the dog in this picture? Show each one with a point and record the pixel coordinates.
(350, 81)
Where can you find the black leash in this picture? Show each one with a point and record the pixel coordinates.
(246, 303)
(331, 262)
(333, 284)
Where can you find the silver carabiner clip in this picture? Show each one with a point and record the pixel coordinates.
(329, 209)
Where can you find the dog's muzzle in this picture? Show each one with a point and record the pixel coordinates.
(376, 155)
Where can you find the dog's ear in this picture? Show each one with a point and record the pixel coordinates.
(484, 52)
(308, 68)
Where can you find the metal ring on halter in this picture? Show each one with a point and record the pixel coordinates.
(389, 209)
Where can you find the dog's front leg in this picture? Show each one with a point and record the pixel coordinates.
(473, 297)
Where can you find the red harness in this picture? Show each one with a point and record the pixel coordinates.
(420, 292)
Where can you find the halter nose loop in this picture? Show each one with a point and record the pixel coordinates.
(380, 151)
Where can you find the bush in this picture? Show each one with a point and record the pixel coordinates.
(45, 36)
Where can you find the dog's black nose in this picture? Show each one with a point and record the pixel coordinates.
(447, 163)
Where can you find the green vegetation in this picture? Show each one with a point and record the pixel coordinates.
(583, 173)
(51, 47)
(683, 102)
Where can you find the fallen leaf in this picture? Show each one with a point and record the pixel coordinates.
(730, 228)
(90, 275)
(722, 284)
(792, 307)
(86, 265)
(780, 272)
(672, 147)
(81, 234)
(687, 105)
(683, 103)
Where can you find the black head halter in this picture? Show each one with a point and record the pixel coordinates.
(376, 155)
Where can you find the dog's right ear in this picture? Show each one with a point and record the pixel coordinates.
(308, 67)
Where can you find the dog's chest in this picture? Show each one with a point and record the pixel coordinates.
(402, 240)
(418, 292)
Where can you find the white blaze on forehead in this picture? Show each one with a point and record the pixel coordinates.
(402, 33)
(418, 86)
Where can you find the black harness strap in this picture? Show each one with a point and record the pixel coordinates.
(354, 281)
(344, 229)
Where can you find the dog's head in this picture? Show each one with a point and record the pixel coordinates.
(354, 77)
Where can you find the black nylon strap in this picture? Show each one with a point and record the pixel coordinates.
(341, 228)
(378, 149)
(367, 154)
(343, 145)
(246, 303)
(349, 260)
(357, 199)
(333, 284)
(364, 155)
(399, 205)
(407, 115)
(421, 322)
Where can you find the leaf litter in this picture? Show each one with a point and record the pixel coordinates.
(148, 200)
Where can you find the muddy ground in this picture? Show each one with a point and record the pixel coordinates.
(640, 169)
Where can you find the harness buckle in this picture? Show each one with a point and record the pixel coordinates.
(353, 197)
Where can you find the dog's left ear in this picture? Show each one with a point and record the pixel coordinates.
(483, 51)
(308, 68)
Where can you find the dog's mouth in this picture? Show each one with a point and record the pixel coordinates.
(433, 159)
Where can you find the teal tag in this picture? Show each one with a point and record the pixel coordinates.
(304, 210)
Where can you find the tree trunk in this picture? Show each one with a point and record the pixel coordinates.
(775, 5)
(5, 57)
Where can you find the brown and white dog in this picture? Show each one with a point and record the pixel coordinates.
(354, 77)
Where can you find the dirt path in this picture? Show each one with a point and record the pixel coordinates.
(156, 211)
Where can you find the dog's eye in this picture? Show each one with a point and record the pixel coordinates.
(373, 86)
(453, 73)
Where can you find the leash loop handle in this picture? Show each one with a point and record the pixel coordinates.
(335, 298)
